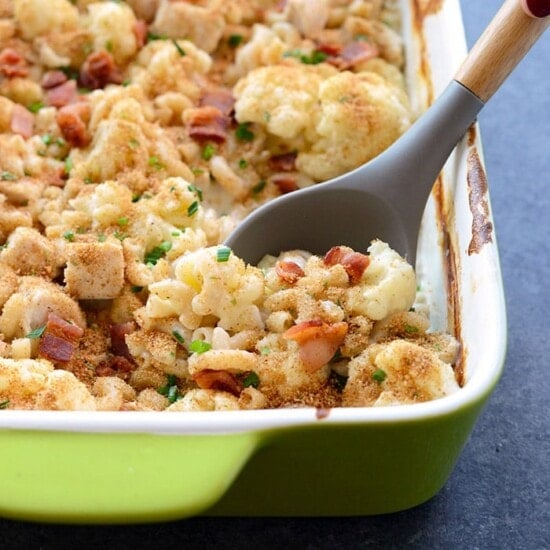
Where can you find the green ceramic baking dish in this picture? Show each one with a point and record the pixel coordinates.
(106, 467)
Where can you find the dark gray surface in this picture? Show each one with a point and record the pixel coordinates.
(497, 496)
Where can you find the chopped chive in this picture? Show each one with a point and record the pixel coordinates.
(235, 40)
(223, 253)
(265, 351)
(153, 36)
(243, 132)
(136, 197)
(314, 58)
(379, 375)
(208, 151)
(259, 187)
(120, 236)
(251, 380)
(69, 235)
(101, 238)
(7, 176)
(35, 106)
(133, 143)
(68, 165)
(126, 82)
(181, 51)
(46, 139)
(122, 221)
(4, 404)
(192, 208)
(135, 289)
(411, 329)
(195, 190)
(154, 161)
(36, 333)
(154, 255)
(70, 73)
(109, 46)
(170, 389)
(178, 337)
(197, 171)
(199, 346)
(243, 163)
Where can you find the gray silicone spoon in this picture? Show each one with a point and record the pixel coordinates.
(386, 197)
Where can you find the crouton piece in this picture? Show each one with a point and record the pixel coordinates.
(95, 271)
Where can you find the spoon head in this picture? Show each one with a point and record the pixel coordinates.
(316, 221)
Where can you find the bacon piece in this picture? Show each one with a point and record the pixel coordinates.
(354, 53)
(289, 272)
(219, 380)
(22, 121)
(283, 163)
(285, 182)
(51, 79)
(318, 341)
(118, 341)
(354, 263)
(98, 70)
(70, 120)
(60, 339)
(140, 32)
(207, 124)
(62, 95)
(332, 49)
(220, 98)
(12, 63)
(116, 366)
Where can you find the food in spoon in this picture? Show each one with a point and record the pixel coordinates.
(128, 153)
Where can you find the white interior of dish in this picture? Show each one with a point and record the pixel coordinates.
(481, 301)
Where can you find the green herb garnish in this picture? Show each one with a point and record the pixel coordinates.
(101, 238)
(36, 333)
(243, 132)
(153, 36)
(251, 380)
(181, 51)
(135, 289)
(235, 40)
(411, 329)
(379, 375)
(178, 337)
(35, 106)
(153, 256)
(243, 163)
(4, 404)
(7, 176)
(192, 208)
(46, 139)
(154, 161)
(314, 58)
(259, 187)
(170, 389)
(195, 190)
(69, 235)
(208, 151)
(123, 221)
(199, 346)
(223, 253)
(68, 165)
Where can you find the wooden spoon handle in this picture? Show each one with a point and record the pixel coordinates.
(502, 46)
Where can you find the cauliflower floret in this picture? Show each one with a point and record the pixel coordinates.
(395, 373)
(308, 16)
(226, 288)
(387, 286)
(8, 283)
(34, 19)
(200, 25)
(206, 400)
(360, 116)
(281, 98)
(112, 25)
(21, 380)
(64, 392)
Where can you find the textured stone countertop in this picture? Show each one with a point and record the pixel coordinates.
(498, 495)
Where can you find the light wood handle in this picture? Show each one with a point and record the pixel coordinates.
(500, 48)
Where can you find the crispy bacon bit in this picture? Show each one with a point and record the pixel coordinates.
(59, 96)
(289, 272)
(354, 263)
(98, 70)
(116, 366)
(354, 53)
(318, 341)
(12, 63)
(140, 32)
(219, 380)
(60, 339)
(118, 338)
(207, 124)
(220, 98)
(70, 120)
(332, 49)
(283, 163)
(51, 79)
(285, 182)
(22, 121)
